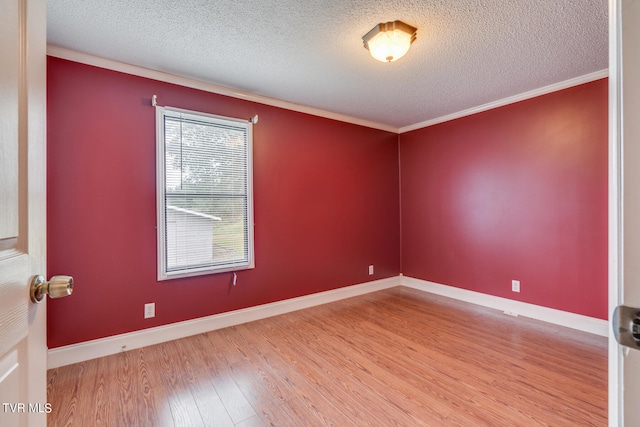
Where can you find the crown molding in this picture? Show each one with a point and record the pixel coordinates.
(135, 70)
(510, 100)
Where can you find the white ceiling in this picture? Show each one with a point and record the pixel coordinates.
(467, 53)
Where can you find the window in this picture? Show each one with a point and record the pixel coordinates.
(204, 193)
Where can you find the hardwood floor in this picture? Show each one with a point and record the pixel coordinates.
(395, 357)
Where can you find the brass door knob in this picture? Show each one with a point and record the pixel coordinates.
(57, 287)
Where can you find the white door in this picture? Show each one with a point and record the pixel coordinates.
(22, 211)
(624, 212)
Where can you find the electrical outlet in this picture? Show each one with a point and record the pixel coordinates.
(515, 285)
(371, 270)
(150, 310)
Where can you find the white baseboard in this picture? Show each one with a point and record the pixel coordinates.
(558, 317)
(75, 353)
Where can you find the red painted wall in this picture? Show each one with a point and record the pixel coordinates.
(326, 205)
(518, 192)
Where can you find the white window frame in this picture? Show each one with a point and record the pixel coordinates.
(163, 272)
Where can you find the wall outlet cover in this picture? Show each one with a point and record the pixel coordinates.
(515, 285)
(149, 310)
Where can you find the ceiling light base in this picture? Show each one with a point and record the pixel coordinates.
(389, 41)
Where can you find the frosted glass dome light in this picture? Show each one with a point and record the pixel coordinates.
(390, 41)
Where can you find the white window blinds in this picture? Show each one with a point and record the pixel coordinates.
(204, 200)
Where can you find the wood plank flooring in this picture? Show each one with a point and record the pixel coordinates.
(398, 357)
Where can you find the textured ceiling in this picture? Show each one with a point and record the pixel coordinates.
(467, 53)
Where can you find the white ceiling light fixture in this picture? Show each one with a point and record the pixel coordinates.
(390, 41)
